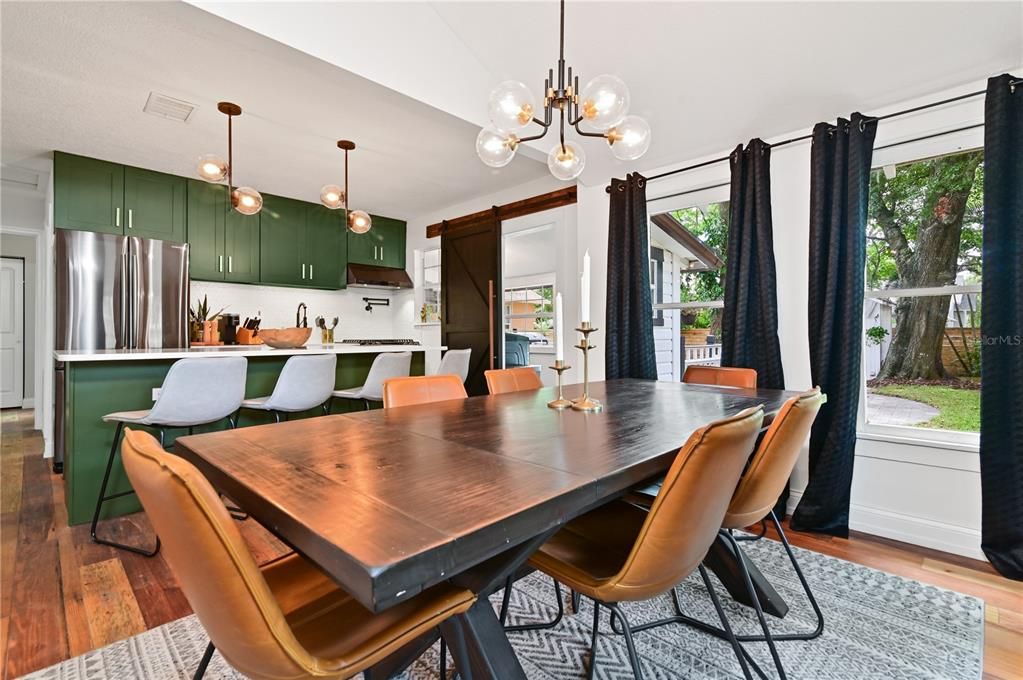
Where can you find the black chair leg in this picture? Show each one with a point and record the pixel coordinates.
(756, 605)
(207, 655)
(740, 653)
(103, 497)
(594, 636)
(532, 626)
(806, 589)
(616, 612)
(443, 660)
(575, 602)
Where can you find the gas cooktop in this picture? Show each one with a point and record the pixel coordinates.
(384, 341)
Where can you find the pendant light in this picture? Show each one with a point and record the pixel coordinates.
(334, 197)
(213, 168)
(598, 110)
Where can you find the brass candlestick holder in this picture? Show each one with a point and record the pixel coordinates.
(585, 403)
(560, 403)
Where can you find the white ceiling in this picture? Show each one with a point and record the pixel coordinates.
(408, 81)
(75, 77)
(707, 75)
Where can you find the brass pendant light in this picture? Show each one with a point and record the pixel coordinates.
(334, 197)
(213, 168)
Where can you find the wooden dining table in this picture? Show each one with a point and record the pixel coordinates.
(390, 502)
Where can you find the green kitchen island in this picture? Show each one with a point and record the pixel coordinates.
(97, 382)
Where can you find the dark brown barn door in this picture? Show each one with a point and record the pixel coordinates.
(471, 296)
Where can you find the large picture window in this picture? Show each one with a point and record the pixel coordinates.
(922, 303)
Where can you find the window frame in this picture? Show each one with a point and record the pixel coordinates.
(906, 434)
(533, 281)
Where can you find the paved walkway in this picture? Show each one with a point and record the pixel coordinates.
(885, 410)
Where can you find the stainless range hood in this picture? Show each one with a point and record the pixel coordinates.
(371, 276)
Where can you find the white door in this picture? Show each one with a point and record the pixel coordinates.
(12, 332)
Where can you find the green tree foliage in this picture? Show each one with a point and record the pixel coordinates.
(710, 225)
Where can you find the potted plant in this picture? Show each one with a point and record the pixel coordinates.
(202, 325)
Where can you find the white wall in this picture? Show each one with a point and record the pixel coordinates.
(912, 491)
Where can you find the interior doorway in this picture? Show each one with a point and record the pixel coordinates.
(12, 332)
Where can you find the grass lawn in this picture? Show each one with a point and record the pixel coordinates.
(958, 409)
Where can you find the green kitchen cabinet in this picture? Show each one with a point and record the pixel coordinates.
(223, 244)
(88, 194)
(207, 212)
(326, 247)
(282, 253)
(383, 245)
(154, 205)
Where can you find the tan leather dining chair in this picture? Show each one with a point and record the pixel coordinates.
(503, 380)
(620, 552)
(422, 389)
(286, 620)
(721, 375)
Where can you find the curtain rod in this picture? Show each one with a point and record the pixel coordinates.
(801, 138)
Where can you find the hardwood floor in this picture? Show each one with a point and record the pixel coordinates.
(62, 595)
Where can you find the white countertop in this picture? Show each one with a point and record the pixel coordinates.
(232, 350)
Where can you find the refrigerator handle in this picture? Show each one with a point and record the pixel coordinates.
(132, 301)
(124, 341)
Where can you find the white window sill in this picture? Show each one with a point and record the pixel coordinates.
(541, 349)
(428, 324)
(962, 441)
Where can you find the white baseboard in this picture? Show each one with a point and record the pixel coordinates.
(28, 403)
(909, 529)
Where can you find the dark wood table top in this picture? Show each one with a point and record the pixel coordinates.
(390, 502)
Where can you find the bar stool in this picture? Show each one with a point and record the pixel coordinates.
(385, 366)
(195, 392)
(455, 362)
(305, 382)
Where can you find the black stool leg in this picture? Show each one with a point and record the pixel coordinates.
(207, 655)
(103, 497)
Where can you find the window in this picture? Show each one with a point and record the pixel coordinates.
(922, 303)
(529, 311)
(429, 286)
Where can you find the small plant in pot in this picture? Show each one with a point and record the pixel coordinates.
(200, 320)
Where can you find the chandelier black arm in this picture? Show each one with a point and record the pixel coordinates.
(582, 132)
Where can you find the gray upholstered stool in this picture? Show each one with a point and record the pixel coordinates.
(195, 392)
(385, 366)
(305, 382)
(455, 362)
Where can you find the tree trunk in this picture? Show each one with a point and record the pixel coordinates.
(915, 350)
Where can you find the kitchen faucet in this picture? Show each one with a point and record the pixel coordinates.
(300, 316)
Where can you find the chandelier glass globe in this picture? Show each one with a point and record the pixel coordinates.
(212, 168)
(604, 102)
(630, 138)
(511, 106)
(332, 196)
(566, 161)
(496, 148)
(246, 200)
(359, 221)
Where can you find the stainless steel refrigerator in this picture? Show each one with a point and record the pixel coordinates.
(116, 292)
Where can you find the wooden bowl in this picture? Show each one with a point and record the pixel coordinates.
(284, 338)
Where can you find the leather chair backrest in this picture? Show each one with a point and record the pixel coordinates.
(213, 565)
(769, 471)
(721, 375)
(455, 362)
(686, 515)
(305, 382)
(502, 380)
(198, 391)
(422, 389)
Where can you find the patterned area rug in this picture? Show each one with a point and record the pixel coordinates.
(876, 626)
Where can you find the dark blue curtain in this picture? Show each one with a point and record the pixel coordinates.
(839, 187)
(750, 320)
(1001, 426)
(630, 324)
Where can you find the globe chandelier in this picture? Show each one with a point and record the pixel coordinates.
(601, 109)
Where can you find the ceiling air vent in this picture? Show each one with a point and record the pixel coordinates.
(168, 107)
